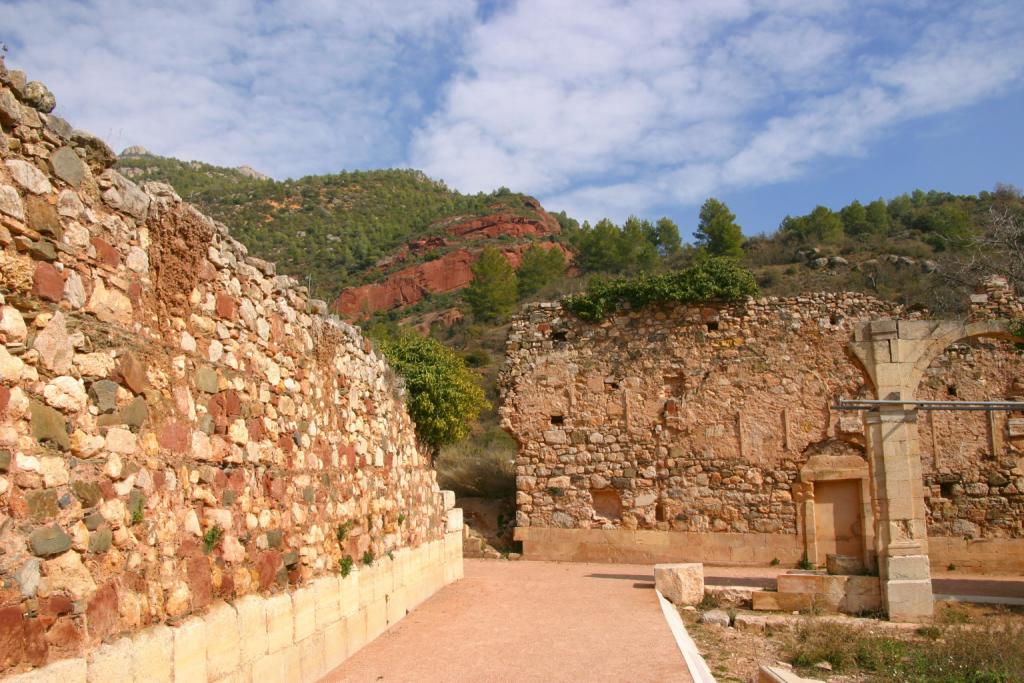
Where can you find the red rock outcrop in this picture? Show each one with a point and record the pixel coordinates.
(408, 286)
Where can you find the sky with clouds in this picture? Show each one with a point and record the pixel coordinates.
(601, 108)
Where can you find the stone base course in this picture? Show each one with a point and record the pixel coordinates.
(991, 555)
(289, 637)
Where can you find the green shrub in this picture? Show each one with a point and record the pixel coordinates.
(345, 565)
(711, 279)
(367, 558)
(444, 397)
(211, 539)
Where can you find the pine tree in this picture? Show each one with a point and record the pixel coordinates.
(492, 293)
(539, 267)
(717, 232)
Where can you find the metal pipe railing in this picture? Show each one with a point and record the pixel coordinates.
(870, 403)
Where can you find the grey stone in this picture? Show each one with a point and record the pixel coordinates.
(40, 97)
(10, 109)
(88, 492)
(49, 540)
(68, 166)
(57, 126)
(135, 413)
(48, 425)
(41, 504)
(97, 154)
(28, 176)
(28, 577)
(124, 195)
(206, 424)
(10, 202)
(820, 262)
(100, 539)
(17, 80)
(94, 521)
(42, 250)
(206, 380)
(42, 217)
(274, 538)
(5, 460)
(563, 520)
(64, 501)
(715, 617)
(104, 394)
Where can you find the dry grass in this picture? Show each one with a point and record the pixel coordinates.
(479, 466)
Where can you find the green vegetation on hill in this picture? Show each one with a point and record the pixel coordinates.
(327, 230)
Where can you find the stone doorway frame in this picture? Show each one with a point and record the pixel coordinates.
(893, 356)
(838, 468)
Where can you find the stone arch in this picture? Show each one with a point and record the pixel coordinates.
(894, 355)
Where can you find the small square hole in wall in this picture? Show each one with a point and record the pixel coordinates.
(712, 326)
(558, 419)
(946, 488)
(951, 390)
(560, 336)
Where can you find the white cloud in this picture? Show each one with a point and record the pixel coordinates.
(628, 105)
(289, 87)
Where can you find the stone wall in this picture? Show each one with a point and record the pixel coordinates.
(178, 424)
(709, 420)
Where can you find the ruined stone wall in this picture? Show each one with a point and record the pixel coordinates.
(178, 424)
(700, 419)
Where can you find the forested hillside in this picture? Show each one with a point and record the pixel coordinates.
(326, 230)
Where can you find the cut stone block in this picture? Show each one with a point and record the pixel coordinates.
(328, 607)
(771, 601)
(304, 604)
(311, 657)
(190, 650)
(801, 583)
(715, 617)
(454, 520)
(730, 596)
(280, 622)
(376, 619)
(448, 499)
(843, 564)
(682, 583)
(222, 647)
(111, 663)
(335, 643)
(252, 627)
(152, 655)
(64, 671)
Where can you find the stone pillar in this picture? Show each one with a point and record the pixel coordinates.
(901, 535)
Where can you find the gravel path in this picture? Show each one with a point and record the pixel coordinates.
(529, 621)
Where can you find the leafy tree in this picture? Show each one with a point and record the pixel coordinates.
(539, 267)
(717, 232)
(636, 250)
(443, 395)
(492, 293)
(669, 242)
(877, 215)
(855, 218)
(820, 225)
(598, 247)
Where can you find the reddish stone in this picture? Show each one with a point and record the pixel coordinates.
(227, 587)
(107, 489)
(174, 436)
(220, 480)
(285, 443)
(188, 547)
(135, 293)
(276, 328)
(236, 481)
(57, 605)
(5, 398)
(206, 270)
(226, 306)
(48, 283)
(132, 373)
(101, 616)
(225, 406)
(65, 638)
(36, 647)
(159, 479)
(105, 253)
(12, 636)
(200, 582)
(347, 453)
(257, 432)
(278, 488)
(268, 563)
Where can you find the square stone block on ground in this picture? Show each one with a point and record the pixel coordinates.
(781, 602)
(680, 583)
(801, 583)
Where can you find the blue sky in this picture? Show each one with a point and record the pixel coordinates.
(602, 108)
